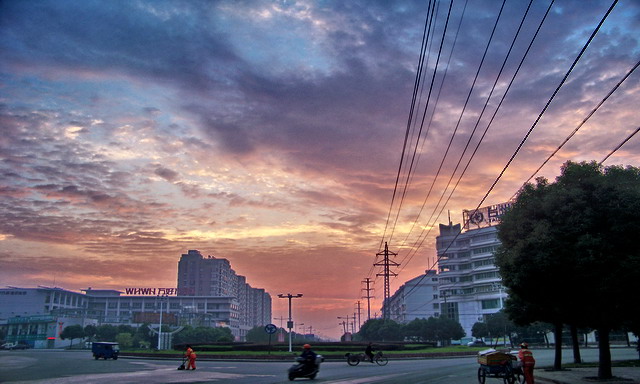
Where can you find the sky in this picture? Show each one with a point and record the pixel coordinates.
(284, 135)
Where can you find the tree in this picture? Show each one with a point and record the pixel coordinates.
(90, 331)
(499, 324)
(380, 330)
(258, 335)
(415, 330)
(124, 339)
(443, 329)
(480, 330)
(72, 332)
(577, 234)
(106, 332)
(203, 335)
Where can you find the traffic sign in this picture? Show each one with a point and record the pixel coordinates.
(270, 329)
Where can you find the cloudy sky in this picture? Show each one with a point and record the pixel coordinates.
(271, 133)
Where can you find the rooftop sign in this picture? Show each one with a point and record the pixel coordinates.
(485, 216)
(158, 291)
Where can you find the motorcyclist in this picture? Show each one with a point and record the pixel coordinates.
(309, 358)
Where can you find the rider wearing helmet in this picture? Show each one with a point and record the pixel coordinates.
(309, 357)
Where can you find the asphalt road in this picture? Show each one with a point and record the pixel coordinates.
(75, 367)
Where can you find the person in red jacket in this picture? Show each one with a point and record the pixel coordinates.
(528, 362)
(191, 355)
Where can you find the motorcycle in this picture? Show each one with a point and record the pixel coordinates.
(300, 369)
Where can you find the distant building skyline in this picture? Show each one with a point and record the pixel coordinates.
(223, 299)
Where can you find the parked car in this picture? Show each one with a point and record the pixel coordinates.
(18, 345)
(476, 343)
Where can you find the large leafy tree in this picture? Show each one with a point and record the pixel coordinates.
(72, 332)
(380, 330)
(568, 252)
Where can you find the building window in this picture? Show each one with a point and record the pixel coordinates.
(490, 249)
(485, 275)
(491, 304)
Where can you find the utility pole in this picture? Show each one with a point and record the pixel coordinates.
(386, 265)
(345, 325)
(359, 312)
(290, 322)
(368, 282)
(281, 318)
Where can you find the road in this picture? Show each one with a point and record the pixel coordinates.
(75, 367)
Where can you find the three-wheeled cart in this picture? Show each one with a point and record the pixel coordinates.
(501, 365)
(105, 350)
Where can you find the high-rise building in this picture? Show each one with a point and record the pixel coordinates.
(469, 283)
(211, 276)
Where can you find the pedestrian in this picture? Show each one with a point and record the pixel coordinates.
(191, 355)
(528, 362)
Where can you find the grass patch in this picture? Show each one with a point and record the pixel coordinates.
(614, 364)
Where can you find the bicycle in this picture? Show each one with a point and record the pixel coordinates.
(354, 359)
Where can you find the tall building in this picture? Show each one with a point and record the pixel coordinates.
(469, 283)
(211, 276)
(415, 299)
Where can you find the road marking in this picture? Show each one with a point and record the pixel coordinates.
(157, 376)
(366, 379)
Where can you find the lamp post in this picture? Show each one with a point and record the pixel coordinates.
(161, 298)
(290, 322)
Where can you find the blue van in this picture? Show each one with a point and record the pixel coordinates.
(105, 350)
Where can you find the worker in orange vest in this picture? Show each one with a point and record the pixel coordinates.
(528, 362)
(191, 355)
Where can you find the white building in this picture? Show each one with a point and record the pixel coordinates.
(415, 299)
(470, 287)
(36, 316)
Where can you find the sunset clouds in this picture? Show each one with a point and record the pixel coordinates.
(270, 133)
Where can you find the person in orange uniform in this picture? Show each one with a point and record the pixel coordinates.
(191, 355)
(528, 362)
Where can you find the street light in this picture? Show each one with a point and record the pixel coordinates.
(161, 299)
(290, 322)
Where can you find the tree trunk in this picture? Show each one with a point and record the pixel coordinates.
(586, 340)
(576, 345)
(546, 339)
(557, 362)
(604, 366)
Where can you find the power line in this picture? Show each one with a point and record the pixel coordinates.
(422, 235)
(593, 111)
(431, 84)
(619, 145)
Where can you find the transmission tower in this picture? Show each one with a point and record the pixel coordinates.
(386, 265)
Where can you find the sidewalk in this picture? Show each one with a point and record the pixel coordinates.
(628, 375)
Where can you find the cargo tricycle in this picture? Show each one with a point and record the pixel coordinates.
(500, 365)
